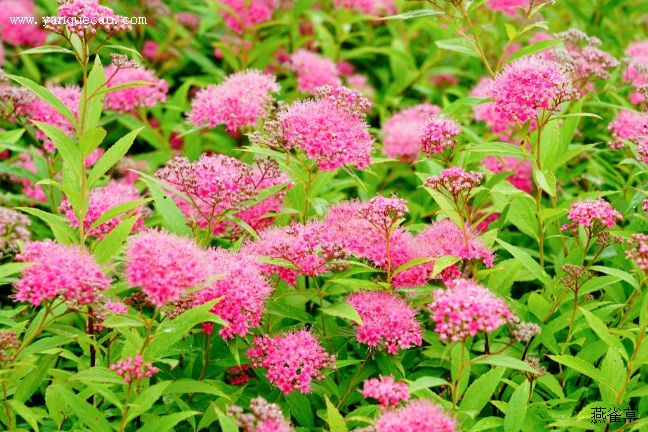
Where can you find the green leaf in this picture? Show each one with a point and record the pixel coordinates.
(85, 412)
(112, 243)
(525, 259)
(10, 269)
(443, 263)
(505, 361)
(496, 148)
(522, 214)
(343, 310)
(532, 49)
(412, 263)
(581, 366)
(122, 321)
(29, 414)
(59, 225)
(46, 49)
(300, 408)
(112, 156)
(98, 374)
(174, 220)
(623, 275)
(166, 423)
(545, 180)
(171, 331)
(69, 151)
(145, 400)
(480, 391)
(412, 14)
(95, 99)
(90, 140)
(517, 408)
(118, 210)
(46, 96)
(459, 45)
(426, 382)
(188, 386)
(334, 418)
(602, 332)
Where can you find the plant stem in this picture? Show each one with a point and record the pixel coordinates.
(352, 383)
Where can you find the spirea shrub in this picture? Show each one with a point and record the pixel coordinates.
(340, 215)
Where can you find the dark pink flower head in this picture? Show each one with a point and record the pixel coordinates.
(242, 288)
(306, 248)
(213, 186)
(241, 14)
(330, 128)
(628, 125)
(387, 321)
(59, 270)
(403, 131)
(164, 265)
(438, 134)
(85, 17)
(134, 369)
(293, 360)
(263, 417)
(238, 102)
(28, 34)
(499, 124)
(466, 309)
(101, 200)
(386, 391)
(373, 7)
(40, 111)
(419, 415)
(314, 70)
(529, 85)
(592, 214)
(455, 180)
(521, 170)
(639, 251)
(509, 7)
(150, 50)
(129, 99)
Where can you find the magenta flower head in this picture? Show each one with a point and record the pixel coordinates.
(439, 133)
(419, 415)
(508, 7)
(263, 417)
(307, 248)
(330, 128)
(133, 369)
(101, 200)
(242, 288)
(454, 180)
(593, 215)
(386, 391)
(293, 360)
(164, 265)
(241, 14)
(129, 99)
(403, 131)
(628, 125)
(59, 270)
(238, 102)
(387, 321)
(85, 17)
(530, 85)
(314, 70)
(40, 111)
(22, 33)
(499, 125)
(466, 309)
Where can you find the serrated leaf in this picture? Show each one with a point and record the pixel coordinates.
(85, 412)
(517, 408)
(527, 261)
(459, 45)
(504, 361)
(46, 96)
(112, 243)
(334, 418)
(145, 400)
(343, 310)
(480, 391)
(168, 422)
(112, 156)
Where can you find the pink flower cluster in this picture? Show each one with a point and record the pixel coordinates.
(438, 134)
(591, 214)
(30, 190)
(306, 248)
(642, 150)
(130, 99)
(509, 7)
(455, 180)
(101, 200)
(330, 128)
(241, 14)
(521, 170)
(242, 288)
(466, 309)
(637, 70)
(499, 124)
(628, 125)
(373, 7)
(387, 321)
(116, 307)
(529, 85)
(59, 270)
(419, 415)
(639, 252)
(164, 265)
(238, 102)
(85, 17)
(403, 131)
(589, 62)
(20, 33)
(263, 417)
(134, 369)
(293, 360)
(40, 111)
(383, 213)
(386, 391)
(314, 70)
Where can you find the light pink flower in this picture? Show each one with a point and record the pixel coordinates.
(40, 111)
(509, 7)
(293, 360)
(499, 124)
(455, 180)
(639, 251)
(438, 134)
(85, 17)
(521, 170)
(314, 70)
(592, 214)
(373, 7)
(386, 391)
(59, 270)
(30, 189)
(420, 415)
(403, 131)
(642, 150)
(164, 265)
(241, 14)
(239, 102)
(264, 417)
(387, 321)
(20, 33)
(129, 99)
(116, 307)
(628, 125)
(134, 369)
(466, 309)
